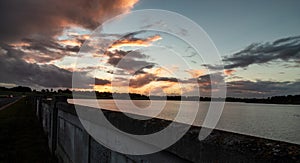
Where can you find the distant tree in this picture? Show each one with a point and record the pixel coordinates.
(21, 89)
(3, 89)
(67, 91)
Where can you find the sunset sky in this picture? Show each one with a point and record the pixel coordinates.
(259, 42)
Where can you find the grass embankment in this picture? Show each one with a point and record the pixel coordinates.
(21, 135)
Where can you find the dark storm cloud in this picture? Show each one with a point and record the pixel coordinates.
(132, 35)
(167, 79)
(29, 35)
(130, 61)
(286, 49)
(130, 65)
(16, 71)
(142, 70)
(21, 18)
(208, 81)
(128, 54)
(203, 81)
(213, 67)
(101, 81)
(217, 77)
(43, 45)
(142, 80)
(246, 88)
(45, 49)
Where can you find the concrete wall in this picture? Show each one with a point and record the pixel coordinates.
(70, 142)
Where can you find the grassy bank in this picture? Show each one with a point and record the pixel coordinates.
(21, 135)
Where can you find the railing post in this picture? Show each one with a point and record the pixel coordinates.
(54, 120)
(38, 105)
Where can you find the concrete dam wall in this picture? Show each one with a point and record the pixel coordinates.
(69, 141)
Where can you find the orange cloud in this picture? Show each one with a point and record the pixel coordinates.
(127, 4)
(195, 73)
(157, 87)
(102, 88)
(229, 72)
(19, 44)
(70, 42)
(134, 42)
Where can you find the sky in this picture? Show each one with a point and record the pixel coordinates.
(258, 41)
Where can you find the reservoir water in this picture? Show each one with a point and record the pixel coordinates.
(272, 121)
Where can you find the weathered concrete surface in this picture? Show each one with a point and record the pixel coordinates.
(73, 143)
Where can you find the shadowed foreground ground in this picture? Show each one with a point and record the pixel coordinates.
(21, 135)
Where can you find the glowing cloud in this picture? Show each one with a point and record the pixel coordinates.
(195, 73)
(229, 72)
(70, 42)
(134, 42)
(52, 16)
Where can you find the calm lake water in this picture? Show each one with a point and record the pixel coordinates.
(278, 122)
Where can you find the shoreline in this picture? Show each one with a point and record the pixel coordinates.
(293, 104)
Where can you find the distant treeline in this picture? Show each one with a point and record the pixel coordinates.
(16, 89)
(289, 99)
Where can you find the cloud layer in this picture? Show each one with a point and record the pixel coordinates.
(30, 43)
(48, 17)
(30, 37)
(15, 70)
(286, 49)
(132, 41)
(246, 88)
